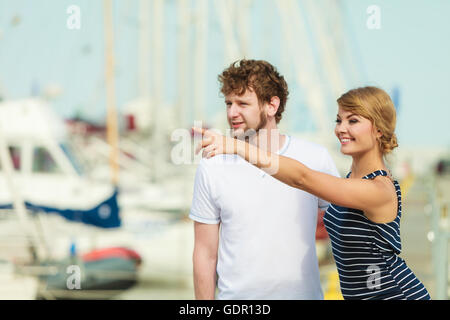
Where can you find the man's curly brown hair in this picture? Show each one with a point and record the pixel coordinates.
(260, 76)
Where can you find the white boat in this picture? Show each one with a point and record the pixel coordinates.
(46, 173)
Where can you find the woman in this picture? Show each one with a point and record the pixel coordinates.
(363, 220)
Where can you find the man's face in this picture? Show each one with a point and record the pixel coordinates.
(245, 113)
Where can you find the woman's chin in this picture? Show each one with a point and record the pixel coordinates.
(353, 152)
(346, 152)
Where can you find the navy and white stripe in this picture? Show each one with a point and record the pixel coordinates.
(366, 254)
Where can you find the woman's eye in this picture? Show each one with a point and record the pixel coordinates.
(353, 121)
(338, 121)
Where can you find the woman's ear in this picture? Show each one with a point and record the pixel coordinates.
(379, 133)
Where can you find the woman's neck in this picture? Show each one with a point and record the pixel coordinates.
(366, 163)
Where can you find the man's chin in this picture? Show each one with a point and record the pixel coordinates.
(238, 133)
(242, 133)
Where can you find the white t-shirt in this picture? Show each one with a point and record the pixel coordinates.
(267, 233)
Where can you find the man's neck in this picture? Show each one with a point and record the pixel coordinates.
(268, 139)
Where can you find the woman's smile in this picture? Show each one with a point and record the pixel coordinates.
(346, 140)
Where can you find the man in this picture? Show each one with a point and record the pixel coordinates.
(254, 235)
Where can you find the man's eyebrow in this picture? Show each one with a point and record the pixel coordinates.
(239, 100)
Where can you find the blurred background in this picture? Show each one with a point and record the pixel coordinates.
(97, 99)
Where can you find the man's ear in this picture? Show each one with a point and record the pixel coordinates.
(273, 106)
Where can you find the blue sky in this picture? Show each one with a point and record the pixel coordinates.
(411, 51)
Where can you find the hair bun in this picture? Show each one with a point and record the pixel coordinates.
(387, 145)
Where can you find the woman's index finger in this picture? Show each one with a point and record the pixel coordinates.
(201, 131)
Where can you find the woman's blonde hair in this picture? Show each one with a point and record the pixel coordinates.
(374, 104)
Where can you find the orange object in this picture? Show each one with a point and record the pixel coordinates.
(321, 232)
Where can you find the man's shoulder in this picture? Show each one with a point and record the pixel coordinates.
(215, 168)
(312, 154)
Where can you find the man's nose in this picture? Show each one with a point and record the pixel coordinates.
(233, 111)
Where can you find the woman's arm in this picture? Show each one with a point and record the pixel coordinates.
(363, 194)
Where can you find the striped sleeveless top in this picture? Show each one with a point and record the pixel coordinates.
(366, 254)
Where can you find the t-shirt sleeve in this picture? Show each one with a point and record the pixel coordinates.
(330, 168)
(204, 208)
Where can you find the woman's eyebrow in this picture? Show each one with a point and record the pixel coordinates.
(348, 116)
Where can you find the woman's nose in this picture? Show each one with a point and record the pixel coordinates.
(341, 128)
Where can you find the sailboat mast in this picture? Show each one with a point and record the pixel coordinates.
(200, 59)
(224, 9)
(111, 121)
(306, 74)
(183, 17)
(158, 84)
(144, 50)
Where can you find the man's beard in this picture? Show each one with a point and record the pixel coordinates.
(250, 132)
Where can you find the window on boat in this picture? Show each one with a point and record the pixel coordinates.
(15, 156)
(43, 161)
(14, 152)
(68, 150)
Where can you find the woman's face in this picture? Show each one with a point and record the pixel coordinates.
(355, 133)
